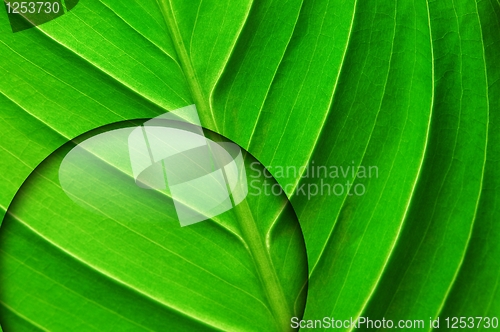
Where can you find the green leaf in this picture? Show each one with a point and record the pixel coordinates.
(408, 91)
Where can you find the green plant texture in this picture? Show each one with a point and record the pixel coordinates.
(410, 89)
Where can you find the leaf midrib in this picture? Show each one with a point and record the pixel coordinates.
(185, 61)
(259, 252)
(67, 138)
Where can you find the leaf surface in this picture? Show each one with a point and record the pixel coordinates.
(398, 100)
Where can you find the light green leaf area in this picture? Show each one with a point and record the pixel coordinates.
(397, 100)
